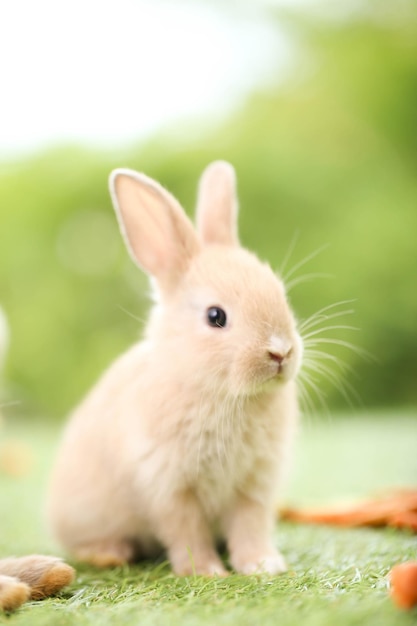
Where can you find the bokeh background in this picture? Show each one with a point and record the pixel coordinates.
(314, 103)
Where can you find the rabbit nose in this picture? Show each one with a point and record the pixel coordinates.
(276, 356)
(279, 357)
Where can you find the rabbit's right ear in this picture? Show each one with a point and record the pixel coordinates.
(217, 206)
(157, 232)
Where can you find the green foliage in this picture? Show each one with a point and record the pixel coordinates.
(330, 156)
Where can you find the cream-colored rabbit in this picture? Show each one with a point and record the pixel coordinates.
(184, 439)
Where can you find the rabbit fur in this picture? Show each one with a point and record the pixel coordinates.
(186, 437)
(31, 577)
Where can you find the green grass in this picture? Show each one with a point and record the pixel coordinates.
(335, 577)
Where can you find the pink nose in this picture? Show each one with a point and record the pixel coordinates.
(277, 357)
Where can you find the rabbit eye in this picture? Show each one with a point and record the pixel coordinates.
(216, 316)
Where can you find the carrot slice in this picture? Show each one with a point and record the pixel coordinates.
(398, 509)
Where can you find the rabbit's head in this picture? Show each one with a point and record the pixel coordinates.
(221, 315)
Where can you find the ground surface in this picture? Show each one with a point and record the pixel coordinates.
(336, 576)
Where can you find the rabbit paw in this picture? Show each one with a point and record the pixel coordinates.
(106, 554)
(209, 570)
(209, 567)
(42, 575)
(53, 574)
(12, 593)
(263, 564)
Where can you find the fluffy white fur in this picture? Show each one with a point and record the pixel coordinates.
(186, 437)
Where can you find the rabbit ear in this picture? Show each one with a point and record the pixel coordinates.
(157, 232)
(217, 205)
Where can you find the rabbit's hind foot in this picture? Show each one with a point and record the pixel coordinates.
(106, 553)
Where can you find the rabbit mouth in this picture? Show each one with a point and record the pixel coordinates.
(281, 373)
(284, 371)
(278, 376)
(280, 368)
(280, 363)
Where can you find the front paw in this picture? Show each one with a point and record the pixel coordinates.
(199, 567)
(270, 563)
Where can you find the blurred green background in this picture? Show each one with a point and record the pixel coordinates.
(326, 157)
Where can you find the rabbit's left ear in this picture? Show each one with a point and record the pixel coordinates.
(157, 232)
(217, 206)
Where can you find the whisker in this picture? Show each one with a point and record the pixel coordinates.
(289, 252)
(343, 386)
(304, 278)
(306, 259)
(138, 319)
(312, 321)
(321, 312)
(325, 329)
(340, 342)
(319, 355)
(312, 383)
(307, 405)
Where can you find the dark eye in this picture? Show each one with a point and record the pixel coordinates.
(216, 316)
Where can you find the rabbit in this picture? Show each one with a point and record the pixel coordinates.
(185, 439)
(31, 577)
